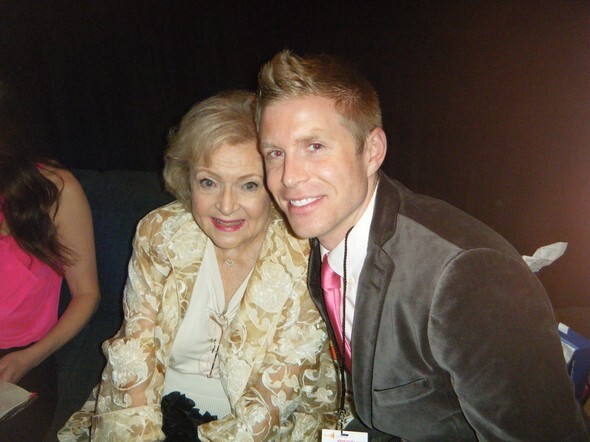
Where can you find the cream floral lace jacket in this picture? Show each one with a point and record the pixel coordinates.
(274, 363)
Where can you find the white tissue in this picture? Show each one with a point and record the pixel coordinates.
(545, 255)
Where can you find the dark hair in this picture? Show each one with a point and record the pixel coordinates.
(27, 198)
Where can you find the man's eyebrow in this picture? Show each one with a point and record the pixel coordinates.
(308, 139)
(304, 140)
(265, 145)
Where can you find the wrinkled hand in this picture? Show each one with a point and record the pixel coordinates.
(15, 365)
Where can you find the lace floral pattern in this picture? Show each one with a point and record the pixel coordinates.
(274, 362)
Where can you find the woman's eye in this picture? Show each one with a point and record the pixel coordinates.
(251, 186)
(207, 183)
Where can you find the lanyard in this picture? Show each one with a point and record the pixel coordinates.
(342, 351)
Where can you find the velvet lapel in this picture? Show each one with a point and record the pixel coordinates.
(314, 271)
(373, 286)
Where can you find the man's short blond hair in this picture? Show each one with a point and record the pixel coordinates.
(288, 76)
(226, 118)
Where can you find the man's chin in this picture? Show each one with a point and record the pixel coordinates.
(302, 230)
(305, 224)
(310, 231)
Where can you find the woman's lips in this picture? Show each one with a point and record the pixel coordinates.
(227, 226)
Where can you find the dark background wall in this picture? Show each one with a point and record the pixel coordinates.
(486, 103)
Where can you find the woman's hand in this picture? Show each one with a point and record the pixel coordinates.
(15, 365)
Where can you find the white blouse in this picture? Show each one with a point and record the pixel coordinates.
(193, 368)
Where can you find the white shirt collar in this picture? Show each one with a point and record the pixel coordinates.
(358, 240)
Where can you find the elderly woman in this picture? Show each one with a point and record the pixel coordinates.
(216, 304)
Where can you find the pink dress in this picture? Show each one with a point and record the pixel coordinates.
(29, 295)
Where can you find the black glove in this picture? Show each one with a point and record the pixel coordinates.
(180, 420)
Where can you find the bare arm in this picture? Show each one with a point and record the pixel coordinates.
(73, 220)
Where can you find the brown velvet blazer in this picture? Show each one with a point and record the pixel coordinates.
(454, 337)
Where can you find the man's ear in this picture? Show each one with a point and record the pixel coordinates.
(375, 150)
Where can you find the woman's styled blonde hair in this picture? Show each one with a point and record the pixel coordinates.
(226, 118)
(288, 76)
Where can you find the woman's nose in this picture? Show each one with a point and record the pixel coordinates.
(227, 202)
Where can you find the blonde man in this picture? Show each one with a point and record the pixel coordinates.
(447, 334)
